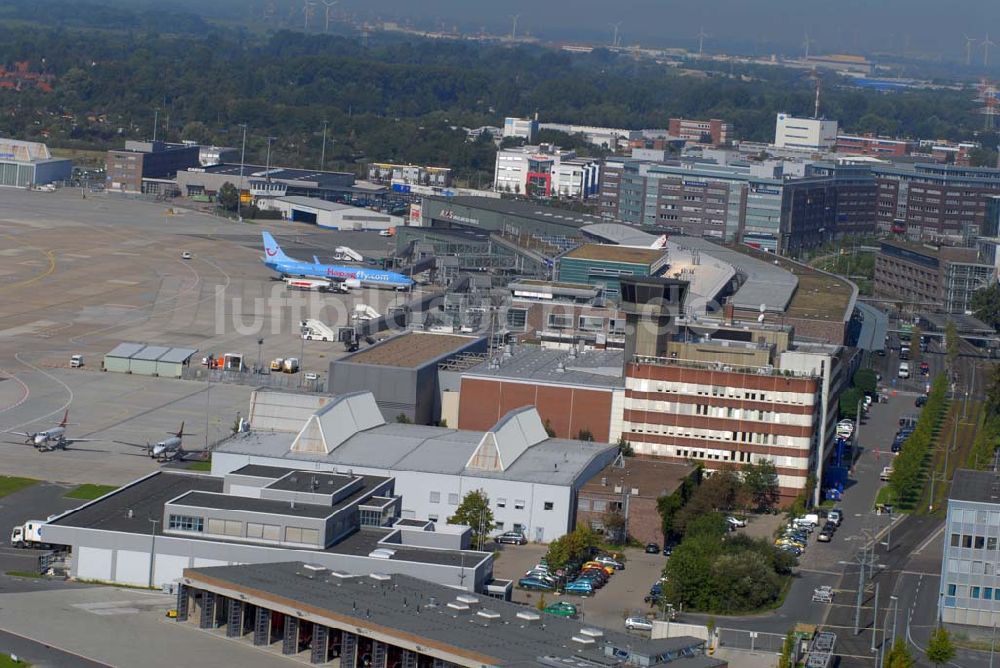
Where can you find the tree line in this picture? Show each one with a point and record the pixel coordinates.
(908, 467)
(403, 100)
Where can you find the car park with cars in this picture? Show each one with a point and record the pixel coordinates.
(581, 587)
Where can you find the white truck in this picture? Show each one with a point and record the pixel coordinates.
(28, 534)
(291, 365)
(317, 330)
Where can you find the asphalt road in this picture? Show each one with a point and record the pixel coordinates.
(41, 655)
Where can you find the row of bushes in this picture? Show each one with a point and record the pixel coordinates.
(907, 478)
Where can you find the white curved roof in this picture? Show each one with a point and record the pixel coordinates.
(500, 447)
(338, 421)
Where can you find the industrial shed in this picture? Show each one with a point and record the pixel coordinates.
(333, 215)
(147, 360)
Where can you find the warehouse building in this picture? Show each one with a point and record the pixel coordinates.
(26, 163)
(574, 392)
(326, 617)
(531, 479)
(331, 215)
(402, 372)
(148, 360)
(147, 532)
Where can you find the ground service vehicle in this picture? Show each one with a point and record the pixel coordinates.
(28, 534)
(76, 361)
(277, 364)
(291, 365)
(904, 370)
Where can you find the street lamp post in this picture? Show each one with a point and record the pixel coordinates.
(152, 549)
(875, 619)
(260, 343)
(243, 153)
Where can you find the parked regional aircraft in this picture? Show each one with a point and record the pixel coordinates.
(351, 277)
(50, 439)
(166, 450)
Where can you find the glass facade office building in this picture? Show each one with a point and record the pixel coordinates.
(970, 565)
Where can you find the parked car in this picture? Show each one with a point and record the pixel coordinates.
(736, 521)
(836, 516)
(791, 549)
(826, 535)
(904, 370)
(921, 401)
(561, 609)
(579, 587)
(534, 583)
(925, 369)
(605, 560)
(638, 624)
(186, 255)
(886, 474)
(668, 550)
(829, 526)
(607, 568)
(652, 548)
(512, 538)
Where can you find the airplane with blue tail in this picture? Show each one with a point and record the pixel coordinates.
(349, 277)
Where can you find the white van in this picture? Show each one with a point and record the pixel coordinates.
(76, 361)
(904, 370)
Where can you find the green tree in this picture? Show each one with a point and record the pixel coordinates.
(849, 403)
(786, 658)
(951, 344)
(584, 435)
(197, 132)
(614, 526)
(761, 483)
(475, 512)
(940, 648)
(572, 547)
(865, 380)
(899, 656)
(228, 197)
(625, 447)
(986, 305)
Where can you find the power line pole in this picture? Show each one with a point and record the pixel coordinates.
(322, 155)
(243, 153)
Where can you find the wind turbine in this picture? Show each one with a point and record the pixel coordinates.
(513, 28)
(614, 35)
(969, 42)
(307, 11)
(808, 43)
(986, 50)
(701, 40)
(329, 11)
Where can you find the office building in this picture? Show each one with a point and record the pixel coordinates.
(629, 488)
(934, 202)
(715, 132)
(874, 146)
(931, 278)
(805, 134)
(970, 581)
(521, 128)
(325, 617)
(262, 183)
(545, 171)
(389, 173)
(150, 160)
(26, 163)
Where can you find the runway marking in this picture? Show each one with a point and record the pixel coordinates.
(24, 386)
(66, 387)
(121, 281)
(48, 271)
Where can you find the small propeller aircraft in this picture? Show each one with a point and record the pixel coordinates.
(50, 439)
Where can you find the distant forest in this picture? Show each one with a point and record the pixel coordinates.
(392, 100)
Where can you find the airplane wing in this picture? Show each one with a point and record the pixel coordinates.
(134, 445)
(19, 433)
(17, 443)
(82, 440)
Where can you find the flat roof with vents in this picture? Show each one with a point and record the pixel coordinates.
(977, 486)
(416, 611)
(412, 349)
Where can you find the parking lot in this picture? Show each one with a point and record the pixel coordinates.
(610, 605)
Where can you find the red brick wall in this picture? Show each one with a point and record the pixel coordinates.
(483, 401)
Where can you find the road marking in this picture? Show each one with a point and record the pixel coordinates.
(51, 268)
(812, 570)
(929, 540)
